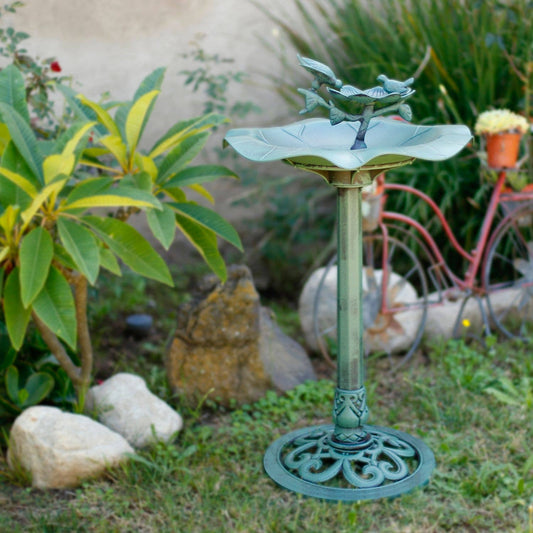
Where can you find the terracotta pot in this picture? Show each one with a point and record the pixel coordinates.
(502, 149)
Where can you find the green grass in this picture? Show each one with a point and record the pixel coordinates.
(212, 479)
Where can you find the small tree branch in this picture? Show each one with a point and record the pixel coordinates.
(84, 337)
(51, 340)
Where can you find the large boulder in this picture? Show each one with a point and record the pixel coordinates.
(60, 450)
(383, 333)
(226, 348)
(124, 404)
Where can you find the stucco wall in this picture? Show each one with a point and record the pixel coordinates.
(110, 45)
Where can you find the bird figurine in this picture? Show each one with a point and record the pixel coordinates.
(322, 73)
(395, 86)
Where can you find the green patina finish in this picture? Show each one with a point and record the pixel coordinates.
(350, 460)
(350, 104)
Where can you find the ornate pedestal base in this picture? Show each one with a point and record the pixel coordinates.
(383, 463)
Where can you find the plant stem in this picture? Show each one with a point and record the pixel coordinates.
(80, 376)
(58, 350)
(84, 337)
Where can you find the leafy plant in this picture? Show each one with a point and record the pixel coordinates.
(510, 393)
(41, 76)
(21, 395)
(481, 58)
(52, 246)
(214, 82)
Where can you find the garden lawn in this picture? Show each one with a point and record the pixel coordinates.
(472, 406)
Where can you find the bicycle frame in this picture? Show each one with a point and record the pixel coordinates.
(475, 257)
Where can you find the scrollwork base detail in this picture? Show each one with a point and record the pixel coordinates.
(306, 461)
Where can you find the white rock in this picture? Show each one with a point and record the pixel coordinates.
(60, 450)
(441, 319)
(440, 322)
(398, 339)
(124, 404)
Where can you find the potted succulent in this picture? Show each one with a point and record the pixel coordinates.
(502, 130)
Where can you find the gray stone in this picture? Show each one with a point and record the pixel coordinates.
(60, 450)
(124, 404)
(285, 361)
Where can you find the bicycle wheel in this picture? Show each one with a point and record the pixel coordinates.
(393, 317)
(508, 275)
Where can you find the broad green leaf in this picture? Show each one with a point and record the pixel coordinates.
(137, 118)
(10, 193)
(7, 353)
(82, 247)
(181, 155)
(140, 181)
(15, 314)
(184, 129)
(205, 242)
(49, 192)
(199, 174)
(121, 116)
(131, 247)
(39, 385)
(116, 197)
(23, 138)
(76, 139)
(95, 152)
(109, 261)
(36, 253)
(117, 147)
(88, 188)
(8, 219)
(57, 164)
(202, 191)
(55, 307)
(20, 181)
(47, 147)
(13, 90)
(153, 81)
(5, 137)
(210, 220)
(176, 193)
(63, 257)
(81, 112)
(163, 225)
(103, 116)
(4, 252)
(147, 165)
(22, 397)
(12, 383)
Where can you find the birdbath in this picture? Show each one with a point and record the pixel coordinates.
(349, 460)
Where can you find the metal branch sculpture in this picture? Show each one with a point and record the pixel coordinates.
(348, 103)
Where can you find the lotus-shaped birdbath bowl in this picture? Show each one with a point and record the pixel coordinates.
(319, 146)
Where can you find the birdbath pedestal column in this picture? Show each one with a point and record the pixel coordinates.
(349, 460)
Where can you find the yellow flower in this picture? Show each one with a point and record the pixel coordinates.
(466, 322)
(500, 121)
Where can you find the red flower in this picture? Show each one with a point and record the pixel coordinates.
(55, 66)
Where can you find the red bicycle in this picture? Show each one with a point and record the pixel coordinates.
(396, 280)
